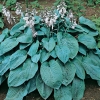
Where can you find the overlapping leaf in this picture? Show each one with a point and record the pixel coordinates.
(63, 93)
(87, 40)
(80, 72)
(7, 45)
(23, 73)
(92, 69)
(68, 71)
(48, 44)
(44, 56)
(16, 28)
(44, 90)
(62, 52)
(16, 93)
(51, 74)
(78, 88)
(17, 58)
(4, 34)
(72, 44)
(87, 22)
(33, 49)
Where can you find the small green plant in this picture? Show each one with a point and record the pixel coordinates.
(50, 52)
(35, 4)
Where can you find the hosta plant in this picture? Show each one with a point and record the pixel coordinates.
(50, 53)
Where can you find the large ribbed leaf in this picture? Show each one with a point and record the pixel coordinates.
(62, 52)
(33, 49)
(4, 34)
(48, 44)
(87, 40)
(24, 45)
(23, 73)
(53, 53)
(35, 58)
(8, 45)
(72, 44)
(90, 31)
(80, 72)
(68, 71)
(92, 69)
(78, 88)
(63, 93)
(51, 74)
(87, 22)
(95, 58)
(17, 58)
(44, 56)
(16, 28)
(24, 38)
(4, 66)
(82, 49)
(31, 86)
(16, 93)
(44, 90)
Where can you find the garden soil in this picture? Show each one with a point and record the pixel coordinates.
(92, 91)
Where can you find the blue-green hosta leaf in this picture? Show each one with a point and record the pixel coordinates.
(53, 53)
(51, 74)
(2, 79)
(87, 22)
(78, 28)
(23, 73)
(39, 33)
(87, 40)
(16, 93)
(80, 72)
(35, 58)
(4, 34)
(24, 45)
(95, 58)
(68, 71)
(33, 49)
(17, 58)
(72, 44)
(82, 49)
(59, 37)
(48, 44)
(44, 90)
(44, 56)
(90, 31)
(31, 86)
(62, 52)
(91, 69)
(78, 87)
(63, 93)
(8, 45)
(4, 66)
(16, 28)
(25, 38)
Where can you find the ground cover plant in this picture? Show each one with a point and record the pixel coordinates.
(50, 52)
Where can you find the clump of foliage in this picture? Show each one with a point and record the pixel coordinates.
(35, 4)
(93, 2)
(50, 52)
(97, 23)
